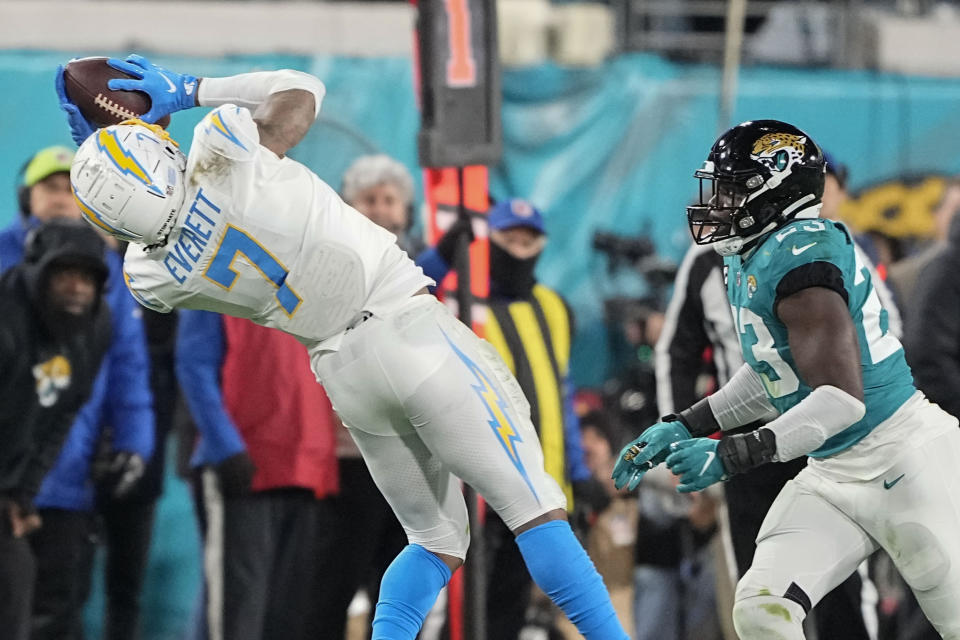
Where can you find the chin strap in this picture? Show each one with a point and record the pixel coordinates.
(741, 244)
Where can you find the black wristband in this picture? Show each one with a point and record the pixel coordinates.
(744, 452)
(699, 419)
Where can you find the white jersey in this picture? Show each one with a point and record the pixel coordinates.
(263, 238)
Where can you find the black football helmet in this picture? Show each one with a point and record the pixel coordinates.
(761, 174)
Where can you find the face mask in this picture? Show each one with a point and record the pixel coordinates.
(509, 276)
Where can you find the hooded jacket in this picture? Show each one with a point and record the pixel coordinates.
(47, 362)
(121, 397)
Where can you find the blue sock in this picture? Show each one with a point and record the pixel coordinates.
(560, 566)
(407, 592)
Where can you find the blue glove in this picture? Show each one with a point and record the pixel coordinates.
(646, 452)
(80, 127)
(697, 463)
(169, 91)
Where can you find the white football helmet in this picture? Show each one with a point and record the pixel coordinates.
(128, 180)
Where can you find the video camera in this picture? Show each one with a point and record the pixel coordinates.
(617, 247)
(639, 253)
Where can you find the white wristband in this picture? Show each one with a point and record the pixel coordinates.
(807, 425)
(742, 400)
(250, 90)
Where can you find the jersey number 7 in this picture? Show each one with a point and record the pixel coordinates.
(236, 241)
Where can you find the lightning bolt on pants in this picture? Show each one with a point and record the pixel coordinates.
(430, 404)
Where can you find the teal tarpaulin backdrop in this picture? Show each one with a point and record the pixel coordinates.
(609, 148)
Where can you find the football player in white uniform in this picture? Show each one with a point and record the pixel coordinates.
(236, 227)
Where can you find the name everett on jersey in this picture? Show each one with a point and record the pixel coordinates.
(195, 233)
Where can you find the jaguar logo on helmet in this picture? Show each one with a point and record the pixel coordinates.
(778, 151)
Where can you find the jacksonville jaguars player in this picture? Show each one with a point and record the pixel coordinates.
(236, 227)
(822, 366)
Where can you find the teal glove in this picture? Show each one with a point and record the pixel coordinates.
(646, 452)
(169, 91)
(697, 463)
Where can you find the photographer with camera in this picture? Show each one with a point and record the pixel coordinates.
(531, 327)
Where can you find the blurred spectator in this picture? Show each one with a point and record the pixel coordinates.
(380, 188)
(876, 249)
(698, 345)
(127, 517)
(54, 332)
(835, 192)
(904, 275)
(674, 575)
(834, 195)
(44, 194)
(631, 393)
(699, 319)
(612, 533)
(531, 327)
(266, 469)
(932, 343)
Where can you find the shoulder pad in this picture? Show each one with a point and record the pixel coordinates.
(808, 240)
(799, 243)
(228, 131)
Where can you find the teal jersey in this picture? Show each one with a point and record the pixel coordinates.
(752, 287)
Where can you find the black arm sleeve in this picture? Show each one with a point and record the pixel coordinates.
(932, 340)
(812, 274)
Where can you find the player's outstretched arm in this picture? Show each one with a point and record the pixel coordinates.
(284, 119)
(742, 400)
(826, 352)
(284, 103)
(825, 349)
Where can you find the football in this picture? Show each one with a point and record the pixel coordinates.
(85, 81)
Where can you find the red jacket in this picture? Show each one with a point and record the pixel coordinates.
(282, 414)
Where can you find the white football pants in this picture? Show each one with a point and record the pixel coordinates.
(430, 404)
(822, 525)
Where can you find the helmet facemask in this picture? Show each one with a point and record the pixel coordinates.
(723, 215)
